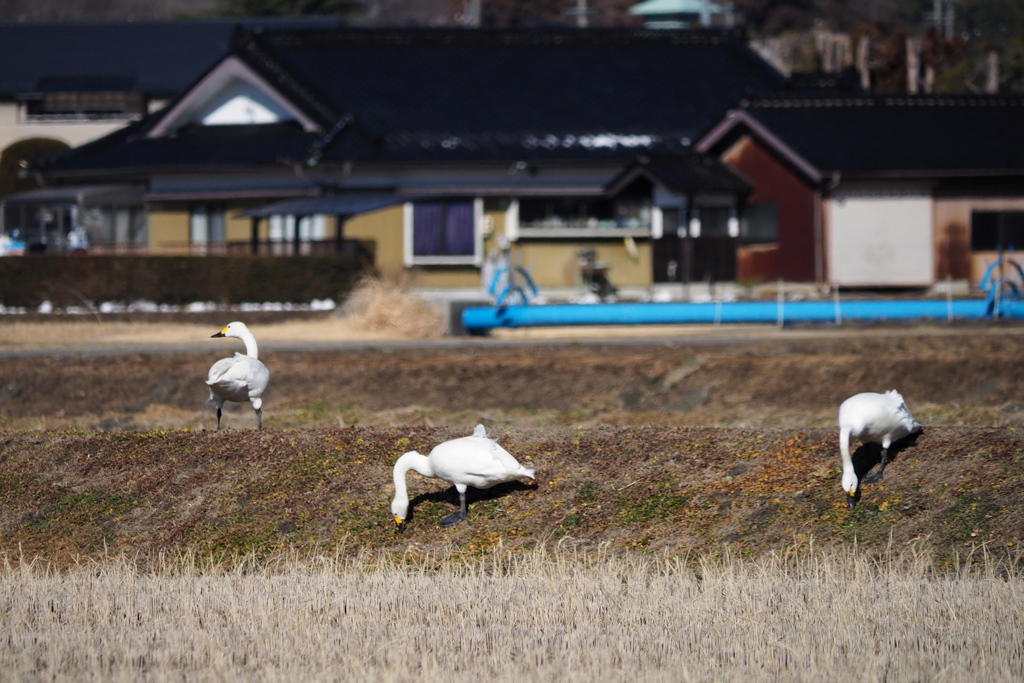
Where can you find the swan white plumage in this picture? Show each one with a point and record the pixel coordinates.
(476, 461)
(240, 378)
(871, 418)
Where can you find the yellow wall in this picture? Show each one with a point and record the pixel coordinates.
(168, 231)
(556, 263)
(552, 263)
(384, 228)
(169, 227)
(237, 229)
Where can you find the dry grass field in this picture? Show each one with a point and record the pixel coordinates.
(550, 614)
(686, 523)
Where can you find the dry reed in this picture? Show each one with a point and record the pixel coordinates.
(388, 304)
(549, 614)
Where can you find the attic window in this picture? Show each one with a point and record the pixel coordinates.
(88, 105)
(240, 110)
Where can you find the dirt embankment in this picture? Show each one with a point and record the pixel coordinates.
(973, 377)
(671, 446)
(676, 491)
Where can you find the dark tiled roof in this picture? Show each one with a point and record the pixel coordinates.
(684, 173)
(158, 57)
(416, 95)
(910, 134)
(128, 150)
(536, 82)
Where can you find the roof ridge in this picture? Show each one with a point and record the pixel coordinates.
(560, 35)
(251, 48)
(904, 100)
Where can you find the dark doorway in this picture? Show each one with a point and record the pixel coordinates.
(714, 250)
(668, 251)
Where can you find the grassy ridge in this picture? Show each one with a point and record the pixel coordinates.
(667, 491)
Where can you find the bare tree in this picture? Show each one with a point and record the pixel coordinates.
(102, 10)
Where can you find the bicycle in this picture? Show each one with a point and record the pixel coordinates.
(511, 284)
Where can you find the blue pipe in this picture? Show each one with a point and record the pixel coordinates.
(484, 318)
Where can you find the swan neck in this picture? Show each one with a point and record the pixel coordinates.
(844, 449)
(410, 461)
(249, 340)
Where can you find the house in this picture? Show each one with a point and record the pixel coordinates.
(69, 83)
(440, 146)
(864, 192)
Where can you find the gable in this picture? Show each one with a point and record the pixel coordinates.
(738, 124)
(230, 94)
(242, 103)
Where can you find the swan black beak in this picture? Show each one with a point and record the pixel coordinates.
(400, 524)
(851, 498)
(219, 334)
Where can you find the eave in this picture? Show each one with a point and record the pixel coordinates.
(737, 118)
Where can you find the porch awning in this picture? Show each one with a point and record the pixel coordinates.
(74, 194)
(344, 205)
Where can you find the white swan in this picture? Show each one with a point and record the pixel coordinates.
(871, 418)
(476, 461)
(241, 378)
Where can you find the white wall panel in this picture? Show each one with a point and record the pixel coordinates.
(880, 241)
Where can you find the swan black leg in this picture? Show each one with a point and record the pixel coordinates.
(885, 461)
(218, 419)
(456, 517)
(259, 418)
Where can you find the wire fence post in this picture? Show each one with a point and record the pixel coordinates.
(781, 294)
(949, 297)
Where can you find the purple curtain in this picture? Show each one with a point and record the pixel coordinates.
(458, 229)
(443, 229)
(426, 229)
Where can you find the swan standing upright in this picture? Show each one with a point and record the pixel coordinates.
(475, 460)
(871, 418)
(240, 378)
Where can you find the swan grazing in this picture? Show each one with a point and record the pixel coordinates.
(871, 418)
(241, 378)
(476, 461)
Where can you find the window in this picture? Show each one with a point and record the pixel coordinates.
(566, 212)
(99, 105)
(993, 230)
(311, 228)
(443, 232)
(760, 223)
(206, 228)
(575, 217)
(714, 221)
(115, 225)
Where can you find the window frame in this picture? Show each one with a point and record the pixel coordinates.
(74, 105)
(995, 235)
(208, 215)
(513, 224)
(408, 233)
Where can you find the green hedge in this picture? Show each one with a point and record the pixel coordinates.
(76, 280)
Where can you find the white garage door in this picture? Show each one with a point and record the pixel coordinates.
(880, 241)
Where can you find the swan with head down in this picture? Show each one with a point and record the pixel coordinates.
(476, 461)
(871, 418)
(239, 378)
